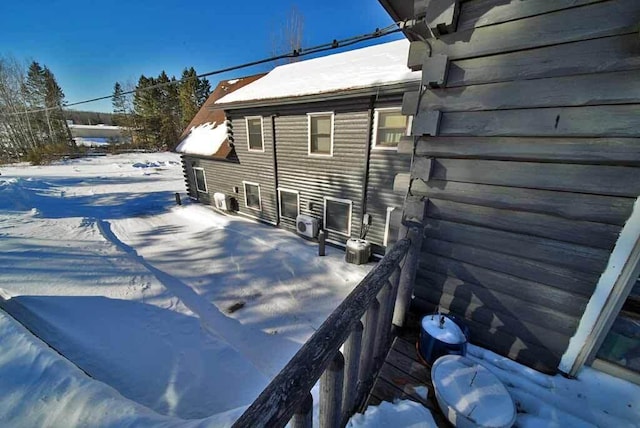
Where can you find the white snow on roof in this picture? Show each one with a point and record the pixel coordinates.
(372, 66)
(203, 139)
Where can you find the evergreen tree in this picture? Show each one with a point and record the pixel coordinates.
(169, 110)
(146, 104)
(163, 106)
(192, 93)
(33, 90)
(53, 98)
(42, 92)
(118, 101)
(203, 92)
(188, 96)
(122, 114)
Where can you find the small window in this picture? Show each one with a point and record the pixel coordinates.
(321, 134)
(201, 182)
(289, 203)
(390, 125)
(254, 134)
(252, 196)
(337, 215)
(622, 344)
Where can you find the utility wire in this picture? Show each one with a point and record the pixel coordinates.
(335, 44)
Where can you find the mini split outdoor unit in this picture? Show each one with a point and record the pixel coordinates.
(307, 226)
(222, 201)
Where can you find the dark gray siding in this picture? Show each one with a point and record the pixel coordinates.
(383, 166)
(344, 174)
(339, 176)
(221, 176)
(256, 167)
(531, 180)
(225, 175)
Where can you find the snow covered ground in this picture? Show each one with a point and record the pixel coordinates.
(96, 259)
(180, 316)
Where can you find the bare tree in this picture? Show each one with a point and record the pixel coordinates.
(17, 135)
(288, 36)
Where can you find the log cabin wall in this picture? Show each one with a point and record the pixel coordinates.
(528, 158)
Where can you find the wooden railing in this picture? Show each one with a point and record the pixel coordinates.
(345, 380)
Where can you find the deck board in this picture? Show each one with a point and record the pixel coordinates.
(401, 374)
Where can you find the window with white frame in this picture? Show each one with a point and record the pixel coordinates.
(252, 195)
(337, 215)
(389, 126)
(255, 139)
(201, 181)
(320, 133)
(288, 203)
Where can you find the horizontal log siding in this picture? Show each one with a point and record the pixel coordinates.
(189, 179)
(535, 168)
(339, 176)
(383, 166)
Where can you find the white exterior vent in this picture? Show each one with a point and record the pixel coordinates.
(222, 201)
(307, 226)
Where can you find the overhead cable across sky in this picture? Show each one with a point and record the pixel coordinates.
(335, 44)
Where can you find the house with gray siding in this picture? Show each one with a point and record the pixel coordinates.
(318, 138)
(525, 182)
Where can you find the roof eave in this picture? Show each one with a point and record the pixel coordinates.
(396, 88)
(397, 17)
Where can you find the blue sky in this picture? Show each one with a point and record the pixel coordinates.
(91, 45)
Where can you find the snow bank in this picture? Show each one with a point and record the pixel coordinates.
(593, 399)
(377, 65)
(404, 413)
(135, 291)
(40, 388)
(204, 139)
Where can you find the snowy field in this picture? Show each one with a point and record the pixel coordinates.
(99, 262)
(179, 316)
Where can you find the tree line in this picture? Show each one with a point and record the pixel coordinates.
(33, 124)
(159, 108)
(31, 116)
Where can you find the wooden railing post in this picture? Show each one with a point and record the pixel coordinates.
(384, 322)
(369, 341)
(352, 352)
(285, 394)
(303, 416)
(394, 281)
(331, 384)
(407, 276)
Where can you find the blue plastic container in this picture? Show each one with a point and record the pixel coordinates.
(442, 335)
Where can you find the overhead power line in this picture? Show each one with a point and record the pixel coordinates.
(335, 44)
